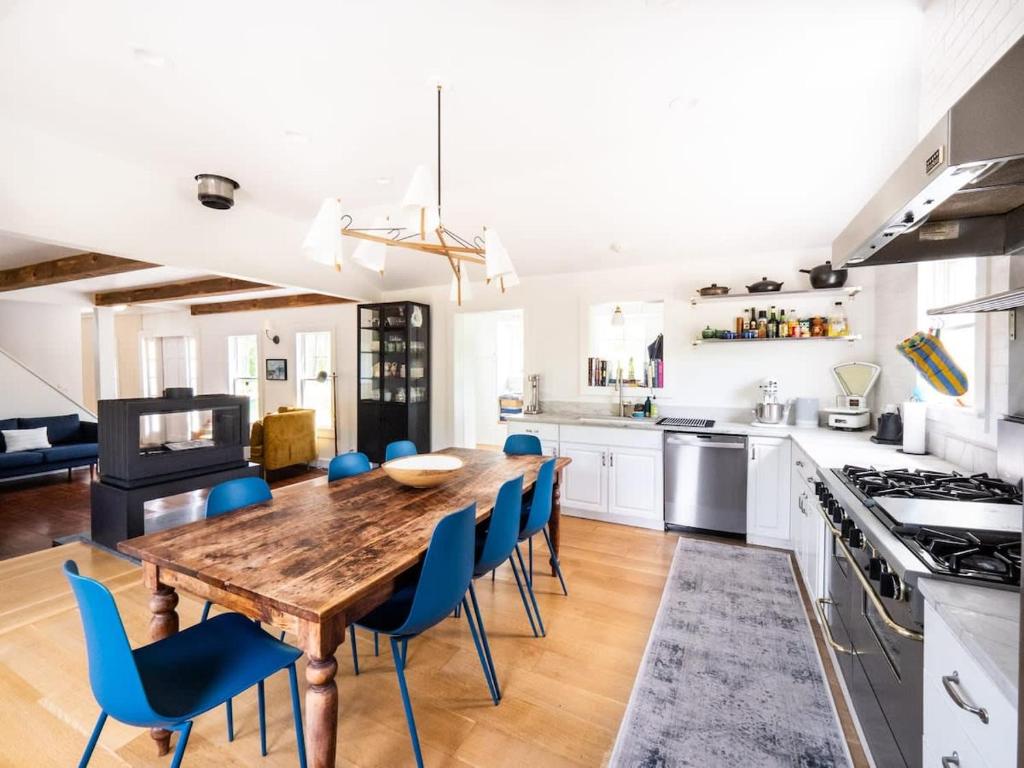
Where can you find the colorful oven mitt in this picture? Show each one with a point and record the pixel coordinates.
(928, 355)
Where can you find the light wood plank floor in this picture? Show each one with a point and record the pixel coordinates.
(564, 694)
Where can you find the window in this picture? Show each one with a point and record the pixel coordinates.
(243, 371)
(313, 356)
(625, 335)
(949, 282)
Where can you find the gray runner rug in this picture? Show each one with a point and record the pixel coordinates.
(731, 675)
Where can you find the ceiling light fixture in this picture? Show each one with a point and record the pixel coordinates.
(617, 317)
(419, 215)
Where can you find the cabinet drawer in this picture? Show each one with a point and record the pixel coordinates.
(996, 740)
(627, 437)
(542, 430)
(943, 737)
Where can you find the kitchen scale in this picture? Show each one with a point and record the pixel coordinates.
(851, 409)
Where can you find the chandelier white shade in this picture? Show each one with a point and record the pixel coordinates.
(372, 253)
(421, 190)
(496, 260)
(323, 240)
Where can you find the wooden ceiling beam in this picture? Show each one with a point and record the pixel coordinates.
(185, 289)
(81, 266)
(270, 302)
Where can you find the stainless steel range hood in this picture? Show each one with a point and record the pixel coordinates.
(961, 191)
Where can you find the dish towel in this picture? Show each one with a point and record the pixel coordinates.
(928, 355)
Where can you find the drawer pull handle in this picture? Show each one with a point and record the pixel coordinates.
(799, 463)
(836, 645)
(952, 685)
(951, 761)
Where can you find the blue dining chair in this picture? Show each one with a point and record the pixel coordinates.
(535, 520)
(442, 584)
(494, 546)
(169, 683)
(223, 498)
(400, 448)
(522, 445)
(347, 465)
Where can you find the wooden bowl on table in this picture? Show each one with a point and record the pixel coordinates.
(424, 470)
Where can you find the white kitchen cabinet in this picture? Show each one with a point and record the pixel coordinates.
(768, 495)
(635, 486)
(807, 532)
(584, 481)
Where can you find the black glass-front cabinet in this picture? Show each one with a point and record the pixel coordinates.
(394, 376)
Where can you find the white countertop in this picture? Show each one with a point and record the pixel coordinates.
(986, 621)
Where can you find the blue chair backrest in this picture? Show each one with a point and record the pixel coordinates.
(447, 571)
(523, 445)
(400, 448)
(347, 465)
(112, 672)
(543, 493)
(235, 494)
(503, 528)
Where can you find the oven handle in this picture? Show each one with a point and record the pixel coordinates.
(836, 645)
(899, 629)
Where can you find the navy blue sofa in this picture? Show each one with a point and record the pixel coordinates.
(74, 445)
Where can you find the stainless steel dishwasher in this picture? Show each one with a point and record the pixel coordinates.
(706, 482)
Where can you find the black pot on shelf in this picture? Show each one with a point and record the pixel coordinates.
(823, 276)
(764, 285)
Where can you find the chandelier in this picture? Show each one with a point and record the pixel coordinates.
(417, 226)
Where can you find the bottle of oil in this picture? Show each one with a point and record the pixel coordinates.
(837, 321)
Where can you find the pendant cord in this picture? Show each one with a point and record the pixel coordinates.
(439, 152)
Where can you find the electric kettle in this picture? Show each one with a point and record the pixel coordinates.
(890, 429)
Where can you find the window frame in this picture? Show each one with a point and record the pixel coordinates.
(324, 427)
(254, 407)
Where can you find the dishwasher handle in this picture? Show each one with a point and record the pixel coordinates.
(706, 441)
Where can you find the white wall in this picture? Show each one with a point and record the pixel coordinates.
(709, 376)
(211, 333)
(48, 339)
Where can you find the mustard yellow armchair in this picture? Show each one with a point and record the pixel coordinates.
(284, 438)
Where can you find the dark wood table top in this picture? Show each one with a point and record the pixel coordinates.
(318, 549)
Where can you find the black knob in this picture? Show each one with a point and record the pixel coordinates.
(875, 566)
(819, 490)
(855, 538)
(836, 512)
(889, 584)
(847, 526)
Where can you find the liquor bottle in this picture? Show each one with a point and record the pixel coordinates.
(753, 319)
(783, 324)
(773, 325)
(762, 324)
(794, 323)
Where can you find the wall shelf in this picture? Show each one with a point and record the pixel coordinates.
(848, 291)
(791, 339)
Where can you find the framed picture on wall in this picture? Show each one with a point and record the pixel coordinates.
(277, 369)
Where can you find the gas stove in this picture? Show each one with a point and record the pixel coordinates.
(963, 527)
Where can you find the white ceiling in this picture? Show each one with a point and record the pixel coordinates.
(18, 251)
(675, 129)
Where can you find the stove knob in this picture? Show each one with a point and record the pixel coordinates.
(855, 538)
(875, 566)
(835, 511)
(889, 584)
(847, 527)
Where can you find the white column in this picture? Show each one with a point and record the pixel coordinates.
(105, 350)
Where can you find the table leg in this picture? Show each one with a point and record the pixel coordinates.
(554, 523)
(164, 623)
(321, 711)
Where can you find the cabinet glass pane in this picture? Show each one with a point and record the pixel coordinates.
(418, 368)
(370, 369)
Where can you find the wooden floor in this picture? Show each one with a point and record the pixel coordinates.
(564, 694)
(36, 510)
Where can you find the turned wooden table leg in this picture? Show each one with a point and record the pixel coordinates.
(321, 711)
(555, 523)
(164, 623)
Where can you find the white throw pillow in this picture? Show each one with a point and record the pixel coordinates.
(26, 439)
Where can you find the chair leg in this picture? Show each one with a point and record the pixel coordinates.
(529, 579)
(554, 561)
(281, 638)
(496, 689)
(355, 651)
(376, 643)
(494, 575)
(261, 703)
(405, 652)
(206, 611)
(231, 719)
(300, 737)
(400, 670)
(533, 597)
(179, 751)
(522, 594)
(87, 755)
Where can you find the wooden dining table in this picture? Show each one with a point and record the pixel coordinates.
(316, 558)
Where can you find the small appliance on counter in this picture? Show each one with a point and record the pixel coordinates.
(851, 411)
(532, 394)
(889, 428)
(806, 412)
(770, 410)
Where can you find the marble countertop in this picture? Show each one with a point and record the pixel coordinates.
(986, 621)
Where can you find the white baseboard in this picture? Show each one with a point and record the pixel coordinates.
(607, 517)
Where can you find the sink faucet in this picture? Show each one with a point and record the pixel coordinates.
(618, 390)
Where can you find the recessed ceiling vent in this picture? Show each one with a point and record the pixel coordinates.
(216, 191)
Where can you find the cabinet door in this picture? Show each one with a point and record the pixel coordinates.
(585, 479)
(635, 483)
(548, 448)
(768, 471)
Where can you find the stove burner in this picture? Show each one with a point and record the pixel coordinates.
(924, 484)
(989, 556)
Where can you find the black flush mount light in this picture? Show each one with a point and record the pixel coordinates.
(215, 191)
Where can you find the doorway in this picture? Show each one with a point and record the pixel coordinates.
(488, 375)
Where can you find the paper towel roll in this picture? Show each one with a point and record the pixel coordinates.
(915, 425)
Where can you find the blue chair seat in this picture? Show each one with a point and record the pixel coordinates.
(20, 459)
(72, 451)
(194, 670)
